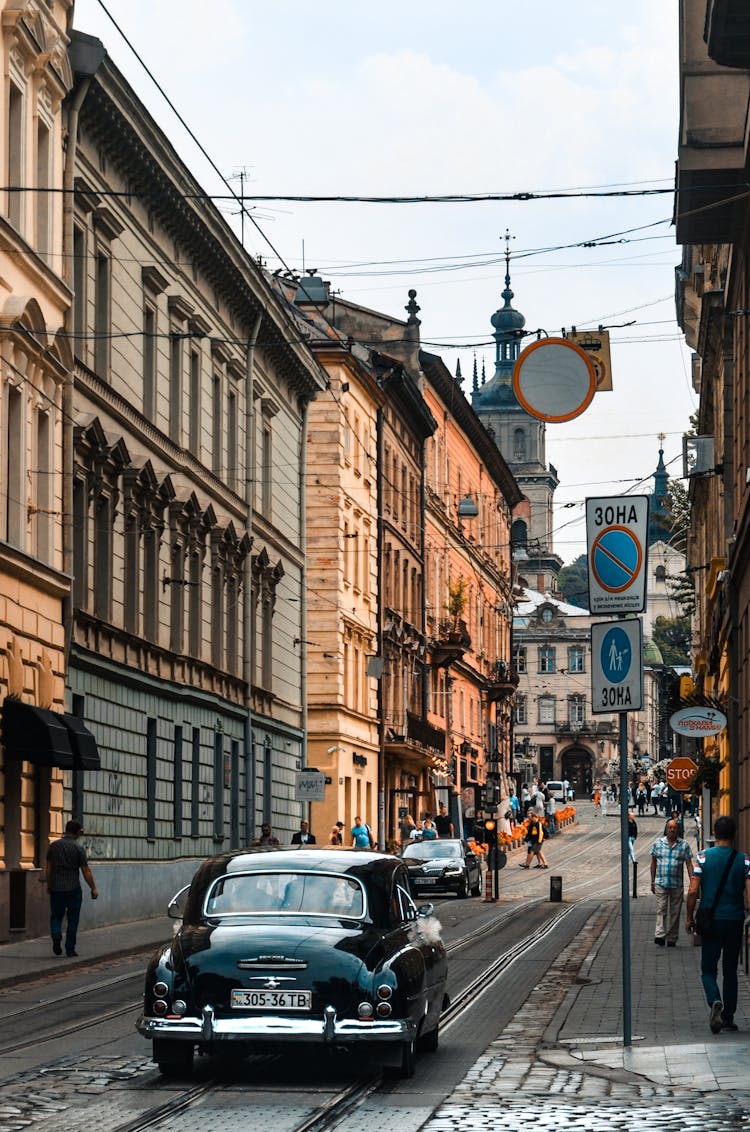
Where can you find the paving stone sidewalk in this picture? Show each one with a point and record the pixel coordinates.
(561, 1063)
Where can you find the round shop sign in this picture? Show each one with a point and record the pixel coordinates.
(698, 721)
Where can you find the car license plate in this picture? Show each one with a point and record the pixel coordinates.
(271, 1000)
(428, 880)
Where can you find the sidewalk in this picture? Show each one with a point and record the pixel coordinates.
(561, 1064)
(30, 957)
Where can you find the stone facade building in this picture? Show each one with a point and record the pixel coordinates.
(186, 457)
(713, 300)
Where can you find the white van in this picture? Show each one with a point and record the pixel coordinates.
(557, 790)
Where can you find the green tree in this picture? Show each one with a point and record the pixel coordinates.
(673, 636)
(678, 504)
(573, 582)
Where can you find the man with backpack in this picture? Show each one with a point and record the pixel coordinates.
(362, 835)
(721, 877)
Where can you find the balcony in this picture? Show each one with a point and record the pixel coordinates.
(502, 682)
(451, 644)
(420, 738)
(727, 32)
(586, 728)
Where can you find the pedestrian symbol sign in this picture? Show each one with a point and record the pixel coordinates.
(617, 534)
(616, 666)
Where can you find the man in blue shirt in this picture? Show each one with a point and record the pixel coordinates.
(670, 856)
(362, 835)
(724, 936)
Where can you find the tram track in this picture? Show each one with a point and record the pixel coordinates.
(503, 917)
(327, 1115)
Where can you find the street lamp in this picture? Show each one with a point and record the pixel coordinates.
(467, 508)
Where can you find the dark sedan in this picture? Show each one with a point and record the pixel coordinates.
(277, 947)
(447, 865)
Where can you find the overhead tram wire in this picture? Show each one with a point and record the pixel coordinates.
(241, 200)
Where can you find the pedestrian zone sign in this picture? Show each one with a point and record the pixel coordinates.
(616, 666)
(617, 541)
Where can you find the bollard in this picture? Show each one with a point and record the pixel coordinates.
(489, 897)
(555, 890)
(635, 880)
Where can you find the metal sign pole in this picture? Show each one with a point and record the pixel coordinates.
(624, 870)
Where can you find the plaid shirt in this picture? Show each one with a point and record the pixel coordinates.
(66, 857)
(669, 862)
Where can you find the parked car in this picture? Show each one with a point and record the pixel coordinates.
(446, 865)
(279, 947)
(557, 790)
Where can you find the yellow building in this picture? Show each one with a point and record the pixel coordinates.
(35, 370)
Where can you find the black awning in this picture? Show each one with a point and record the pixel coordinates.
(35, 735)
(85, 750)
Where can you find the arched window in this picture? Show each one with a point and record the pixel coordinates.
(519, 533)
(519, 444)
(660, 573)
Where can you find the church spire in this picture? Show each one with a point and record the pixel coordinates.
(509, 324)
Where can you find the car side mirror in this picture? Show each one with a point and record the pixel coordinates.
(426, 910)
(176, 906)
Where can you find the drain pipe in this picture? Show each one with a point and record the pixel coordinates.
(74, 111)
(247, 583)
(86, 54)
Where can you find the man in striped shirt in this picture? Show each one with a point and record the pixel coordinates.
(65, 857)
(670, 856)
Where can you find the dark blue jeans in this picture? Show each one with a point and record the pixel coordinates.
(724, 941)
(65, 904)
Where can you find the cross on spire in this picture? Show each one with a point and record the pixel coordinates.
(508, 238)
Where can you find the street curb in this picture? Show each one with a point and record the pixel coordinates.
(62, 964)
(551, 1035)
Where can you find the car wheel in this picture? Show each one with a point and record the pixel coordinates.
(463, 890)
(408, 1058)
(175, 1059)
(477, 889)
(428, 1042)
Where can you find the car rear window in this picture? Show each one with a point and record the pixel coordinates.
(310, 893)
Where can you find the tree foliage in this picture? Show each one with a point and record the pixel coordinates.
(573, 582)
(673, 637)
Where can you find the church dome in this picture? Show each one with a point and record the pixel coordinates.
(507, 319)
(652, 652)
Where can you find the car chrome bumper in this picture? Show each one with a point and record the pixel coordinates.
(272, 1028)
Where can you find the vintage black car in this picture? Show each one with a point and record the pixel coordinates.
(277, 947)
(447, 865)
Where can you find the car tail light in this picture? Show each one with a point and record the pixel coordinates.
(160, 989)
(365, 1010)
(384, 991)
(179, 1007)
(384, 1010)
(160, 1006)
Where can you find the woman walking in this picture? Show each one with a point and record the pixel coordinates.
(534, 839)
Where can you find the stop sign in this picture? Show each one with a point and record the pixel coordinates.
(680, 773)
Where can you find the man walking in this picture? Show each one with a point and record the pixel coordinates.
(727, 903)
(443, 823)
(65, 857)
(670, 856)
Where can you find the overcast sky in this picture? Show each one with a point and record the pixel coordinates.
(400, 99)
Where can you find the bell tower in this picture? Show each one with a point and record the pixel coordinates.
(521, 441)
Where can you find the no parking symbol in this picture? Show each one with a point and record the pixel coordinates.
(616, 533)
